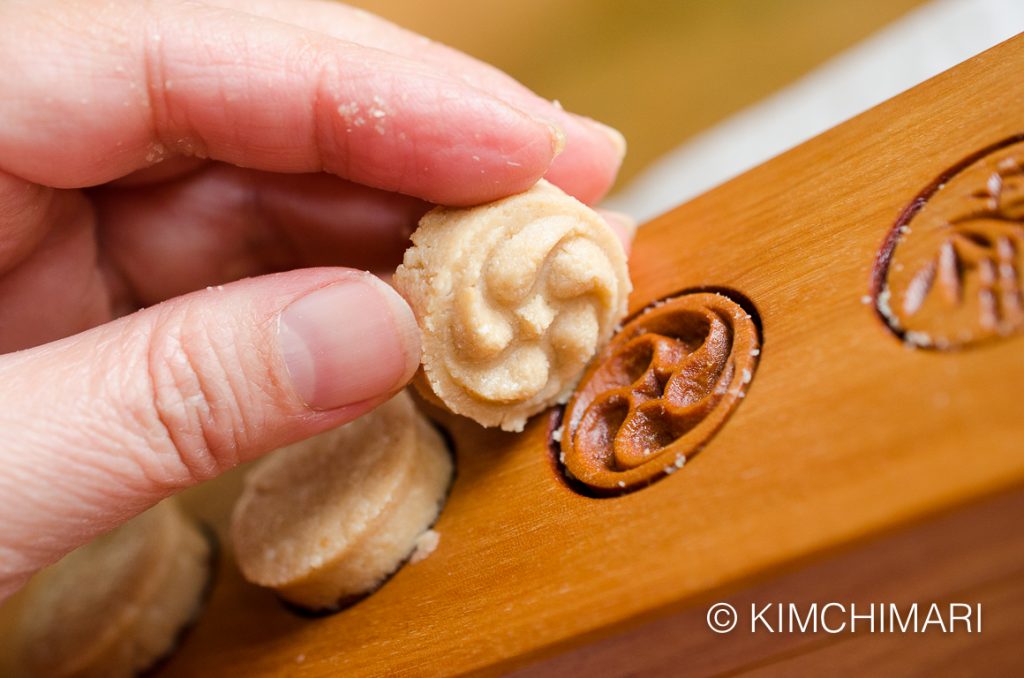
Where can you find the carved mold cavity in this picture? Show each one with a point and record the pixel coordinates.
(949, 273)
(658, 392)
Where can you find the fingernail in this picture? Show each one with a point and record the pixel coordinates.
(348, 342)
(620, 220)
(557, 136)
(613, 135)
(623, 225)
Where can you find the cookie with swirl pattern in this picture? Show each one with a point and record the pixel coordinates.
(513, 299)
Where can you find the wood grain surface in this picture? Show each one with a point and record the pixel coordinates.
(973, 553)
(844, 433)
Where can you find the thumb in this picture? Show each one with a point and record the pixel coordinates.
(98, 427)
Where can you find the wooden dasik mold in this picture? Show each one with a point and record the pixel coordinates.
(844, 436)
(658, 392)
(949, 273)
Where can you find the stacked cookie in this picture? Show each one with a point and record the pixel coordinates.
(113, 607)
(325, 521)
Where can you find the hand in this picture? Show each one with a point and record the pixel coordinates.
(150, 149)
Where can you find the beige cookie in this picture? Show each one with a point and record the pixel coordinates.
(328, 519)
(513, 298)
(115, 606)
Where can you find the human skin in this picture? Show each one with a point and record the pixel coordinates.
(232, 168)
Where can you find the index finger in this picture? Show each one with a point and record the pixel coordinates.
(93, 93)
(593, 151)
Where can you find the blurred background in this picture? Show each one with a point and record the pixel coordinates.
(657, 70)
(706, 89)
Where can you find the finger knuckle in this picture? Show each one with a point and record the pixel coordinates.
(194, 402)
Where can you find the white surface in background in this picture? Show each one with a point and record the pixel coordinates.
(922, 44)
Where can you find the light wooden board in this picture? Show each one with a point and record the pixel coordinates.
(844, 432)
(973, 554)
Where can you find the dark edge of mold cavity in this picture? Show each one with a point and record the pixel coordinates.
(880, 269)
(350, 601)
(557, 415)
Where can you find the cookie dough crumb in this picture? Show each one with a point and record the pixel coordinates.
(426, 544)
